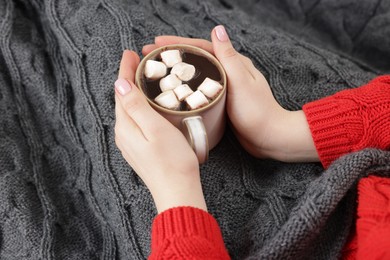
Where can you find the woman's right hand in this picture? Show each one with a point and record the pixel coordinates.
(155, 149)
(261, 125)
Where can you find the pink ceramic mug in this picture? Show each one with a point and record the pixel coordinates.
(203, 127)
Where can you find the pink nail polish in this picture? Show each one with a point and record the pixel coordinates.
(221, 33)
(122, 86)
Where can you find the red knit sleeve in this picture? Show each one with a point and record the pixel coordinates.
(186, 233)
(373, 218)
(351, 120)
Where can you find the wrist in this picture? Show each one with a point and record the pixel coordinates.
(293, 141)
(299, 140)
(178, 191)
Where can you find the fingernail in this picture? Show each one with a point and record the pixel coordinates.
(221, 33)
(122, 86)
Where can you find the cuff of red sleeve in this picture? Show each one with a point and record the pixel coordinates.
(330, 124)
(186, 222)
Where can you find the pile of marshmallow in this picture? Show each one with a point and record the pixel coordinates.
(173, 90)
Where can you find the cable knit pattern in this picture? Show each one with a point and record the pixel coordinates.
(67, 193)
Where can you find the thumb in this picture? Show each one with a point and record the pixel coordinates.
(135, 105)
(230, 59)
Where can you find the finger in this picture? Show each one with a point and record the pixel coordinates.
(128, 136)
(230, 59)
(169, 39)
(148, 48)
(126, 130)
(136, 106)
(128, 66)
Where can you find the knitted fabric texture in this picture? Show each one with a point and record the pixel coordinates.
(351, 120)
(67, 193)
(198, 233)
(373, 219)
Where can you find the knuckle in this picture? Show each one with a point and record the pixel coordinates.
(118, 141)
(117, 134)
(229, 52)
(248, 61)
(132, 106)
(117, 126)
(206, 44)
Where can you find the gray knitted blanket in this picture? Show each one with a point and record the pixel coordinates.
(67, 193)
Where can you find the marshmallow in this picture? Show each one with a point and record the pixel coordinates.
(196, 100)
(155, 69)
(183, 71)
(183, 91)
(168, 100)
(171, 57)
(210, 88)
(169, 82)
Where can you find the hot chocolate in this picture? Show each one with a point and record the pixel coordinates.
(204, 69)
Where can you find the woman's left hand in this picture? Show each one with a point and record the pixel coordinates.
(155, 149)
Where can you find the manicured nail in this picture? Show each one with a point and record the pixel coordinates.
(221, 33)
(122, 86)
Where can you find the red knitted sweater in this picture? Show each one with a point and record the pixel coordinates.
(348, 121)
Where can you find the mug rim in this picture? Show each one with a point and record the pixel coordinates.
(196, 50)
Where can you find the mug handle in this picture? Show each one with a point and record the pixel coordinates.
(197, 137)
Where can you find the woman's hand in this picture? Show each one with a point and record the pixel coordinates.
(157, 151)
(261, 125)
